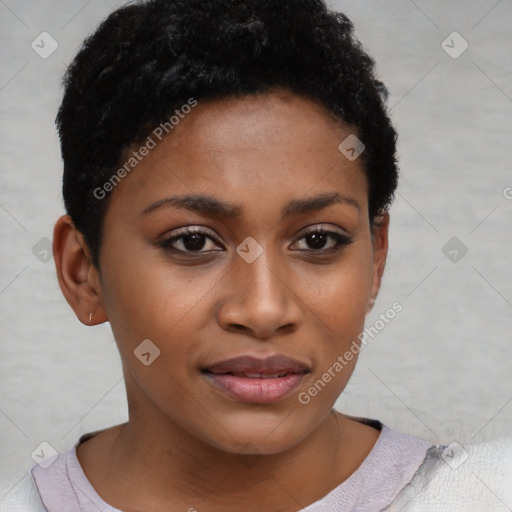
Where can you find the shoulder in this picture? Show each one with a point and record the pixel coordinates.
(456, 478)
(386, 470)
(52, 479)
(394, 461)
(394, 452)
(61, 480)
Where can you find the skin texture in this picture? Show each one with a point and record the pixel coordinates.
(186, 444)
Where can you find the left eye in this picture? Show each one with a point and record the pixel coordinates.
(321, 240)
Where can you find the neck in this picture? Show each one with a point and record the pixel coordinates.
(191, 474)
(151, 463)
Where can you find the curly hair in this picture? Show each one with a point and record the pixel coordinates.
(148, 58)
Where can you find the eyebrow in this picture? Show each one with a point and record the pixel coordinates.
(214, 207)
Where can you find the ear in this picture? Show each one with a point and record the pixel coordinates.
(379, 231)
(78, 278)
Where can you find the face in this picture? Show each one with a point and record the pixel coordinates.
(241, 247)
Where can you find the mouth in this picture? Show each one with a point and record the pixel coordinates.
(254, 380)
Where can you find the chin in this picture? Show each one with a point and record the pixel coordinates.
(260, 436)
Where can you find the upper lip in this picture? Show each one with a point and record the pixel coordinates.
(248, 364)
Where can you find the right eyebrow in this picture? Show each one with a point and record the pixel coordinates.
(207, 205)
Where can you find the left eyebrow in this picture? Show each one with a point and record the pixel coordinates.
(302, 206)
(212, 206)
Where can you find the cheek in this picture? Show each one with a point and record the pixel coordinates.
(148, 293)
(338, 295)
(148, 298)
(338, 303)
(337, 299)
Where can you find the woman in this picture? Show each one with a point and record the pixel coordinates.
(228, 170)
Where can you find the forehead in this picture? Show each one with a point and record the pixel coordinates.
(262, 149)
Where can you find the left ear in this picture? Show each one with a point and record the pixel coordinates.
(379, 232)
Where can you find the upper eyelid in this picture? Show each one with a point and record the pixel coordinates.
(185, 230)
(190, 230)
(202, 230)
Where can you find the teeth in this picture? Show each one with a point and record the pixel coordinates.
(264, 375)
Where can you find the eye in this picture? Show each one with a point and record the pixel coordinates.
(190, 240)
(320, 239)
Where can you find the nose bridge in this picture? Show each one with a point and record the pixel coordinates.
(262, 283)
(258, 297)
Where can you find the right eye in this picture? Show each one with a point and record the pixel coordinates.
(190, 240)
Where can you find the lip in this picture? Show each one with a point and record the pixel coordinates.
(257, 380)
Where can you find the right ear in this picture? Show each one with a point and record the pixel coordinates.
(78, 278)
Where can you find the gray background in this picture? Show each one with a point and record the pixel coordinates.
(441, 370)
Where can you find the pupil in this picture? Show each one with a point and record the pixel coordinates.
(194, 242)
(316, 240)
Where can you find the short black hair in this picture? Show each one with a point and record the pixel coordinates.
(149, 58)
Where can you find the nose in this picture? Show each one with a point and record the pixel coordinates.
(258, 299)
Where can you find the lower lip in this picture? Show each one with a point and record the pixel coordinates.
(256, 390)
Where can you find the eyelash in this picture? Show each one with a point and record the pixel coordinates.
(341, 241)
